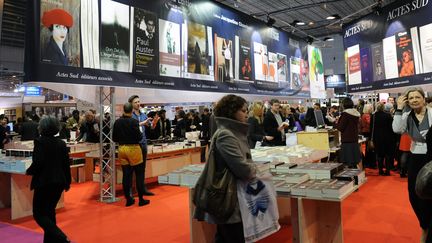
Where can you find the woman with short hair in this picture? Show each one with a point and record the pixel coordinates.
(414, 117)
(51, 176)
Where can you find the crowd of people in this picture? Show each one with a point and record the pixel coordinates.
(395, 130)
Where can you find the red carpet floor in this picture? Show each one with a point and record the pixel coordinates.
(378, 212)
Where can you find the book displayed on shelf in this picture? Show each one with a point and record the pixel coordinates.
(390, 57)
(366, 65)
(283, 186)
(426, 46)
(356, 175)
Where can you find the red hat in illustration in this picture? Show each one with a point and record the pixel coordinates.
(57, 16)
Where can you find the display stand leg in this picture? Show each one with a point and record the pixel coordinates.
(316, 221)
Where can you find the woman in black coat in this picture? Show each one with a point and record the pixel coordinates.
(51, 176)
(384, 139)
(256, 130)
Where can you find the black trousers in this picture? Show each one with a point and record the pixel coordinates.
(230, 233)
(45, 200)
(127, 180)
(422, 207)
(144, 155)
(388, 162)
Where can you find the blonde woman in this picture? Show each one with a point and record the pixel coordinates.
(255, 121)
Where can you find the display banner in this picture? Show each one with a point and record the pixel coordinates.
(392, 49)
(169, 44)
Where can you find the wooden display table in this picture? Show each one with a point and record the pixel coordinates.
(15, 194)
(158, 163)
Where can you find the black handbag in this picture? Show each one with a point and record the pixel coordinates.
(423, 185)
(215, 191)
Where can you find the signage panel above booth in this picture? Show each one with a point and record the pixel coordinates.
(170, 44)
(392, 49)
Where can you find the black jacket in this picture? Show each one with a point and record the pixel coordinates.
(271, 129)
(205, 128)
(162, 128)
(255, 132)
(50, 163)
(88, 129)
(54, 55)
(180, 129)
(126, 131)
(29, 131)
(383, 136)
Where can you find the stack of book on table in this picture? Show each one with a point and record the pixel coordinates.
(356, 175)
(323, 188)
(318, 170)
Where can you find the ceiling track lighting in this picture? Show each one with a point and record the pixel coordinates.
(298, 23)
(328, 39)
(334, 16)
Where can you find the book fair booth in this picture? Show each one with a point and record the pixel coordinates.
(192, 53)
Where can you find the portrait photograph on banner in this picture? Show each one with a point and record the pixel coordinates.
(169, 48)
(115, 37)
(60, 32)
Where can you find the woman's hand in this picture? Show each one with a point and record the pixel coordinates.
(268, 138)
(401, 101)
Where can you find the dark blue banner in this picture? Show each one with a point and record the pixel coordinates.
(392, 49)
(171, 44)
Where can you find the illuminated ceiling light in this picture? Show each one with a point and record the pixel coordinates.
(329, 39)
(311, 23)
(334, 16)
(14, 76)
(296, 22)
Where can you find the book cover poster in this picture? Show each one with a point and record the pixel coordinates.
(304, 75)
(405, 54)
(243, 60)
(354, 68)
(272, 72)
(316, 73)
(224, 59)
(295, 63)
(145, 41)
(377, 62)
(169, 48)
(115, 37)
(199, 52)
(416, 50)
(60, 40)
(390, 57)
(260, 61)
(90, 33)
(426, 47)
(366, 67)
(282, 67)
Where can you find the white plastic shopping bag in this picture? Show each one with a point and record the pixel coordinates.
(258, 207)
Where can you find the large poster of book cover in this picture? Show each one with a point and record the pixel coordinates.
(145, 41)
(272, 72)
(405, 54)
(316, 73)
(169, 48)
(377, 62)
(60, 32)
(282, 67)
(243, 60)
(199, 46)
(90, 34)
(115, 37)
(354, 68)
(366, 67)
(295, 73)
(261, 61)
(426, 46)
(224, 59)
(390, 57)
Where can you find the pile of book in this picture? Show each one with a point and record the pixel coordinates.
(186, 176)
(322, 188)
(356, 175)
(15, 164)
(296, 154)
(318, 170)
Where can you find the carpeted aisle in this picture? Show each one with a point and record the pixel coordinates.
(378, 212)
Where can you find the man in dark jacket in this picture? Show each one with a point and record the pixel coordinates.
(273, 124)
(89, 130)
(127, 133)
(29, 129)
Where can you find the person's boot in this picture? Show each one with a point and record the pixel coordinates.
(130, 202)
(143, 202)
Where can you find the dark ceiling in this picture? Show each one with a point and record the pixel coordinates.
(312, 12)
